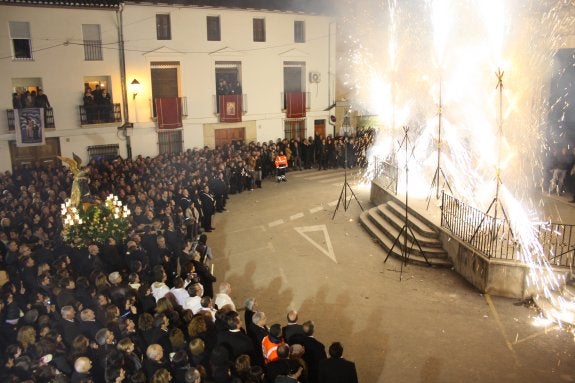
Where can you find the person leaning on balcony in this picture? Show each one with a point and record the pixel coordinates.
(89, 106)
(105, 106)
(41, 100)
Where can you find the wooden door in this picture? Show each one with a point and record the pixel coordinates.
(31, 154)
(164, 81)
(229, 136)
(319, 128)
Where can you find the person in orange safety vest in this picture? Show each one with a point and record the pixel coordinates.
(271, 342)
(281, 166)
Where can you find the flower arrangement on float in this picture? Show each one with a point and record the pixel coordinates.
(95, 222)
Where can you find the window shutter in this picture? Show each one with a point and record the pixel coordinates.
(19, 30)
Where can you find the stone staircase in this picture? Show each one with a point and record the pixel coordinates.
(384, 222)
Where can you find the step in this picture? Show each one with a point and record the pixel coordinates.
(422, 226)
(424, 236)
(439, 259)
(392, 232)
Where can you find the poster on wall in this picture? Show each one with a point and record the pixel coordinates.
(29, 127)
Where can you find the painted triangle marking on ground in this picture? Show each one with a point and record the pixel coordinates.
(318, 228)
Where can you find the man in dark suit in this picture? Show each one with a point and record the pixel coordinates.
(70, 328)
(292, 328)
(257, 331)
(282, 366)
(314, 350)
(234, 339)
(336, 369)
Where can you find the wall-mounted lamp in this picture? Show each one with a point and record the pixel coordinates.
(135, 87)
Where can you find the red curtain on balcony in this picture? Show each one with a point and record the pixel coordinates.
(169, 112)
(295, 104)
(230, 107)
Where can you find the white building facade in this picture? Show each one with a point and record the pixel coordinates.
(277, 68)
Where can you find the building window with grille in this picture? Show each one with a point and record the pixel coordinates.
(163, 27)
(92, 42)
(21, 41)
(299, 32)
(170, 141)
(213, 23)
(259, 30)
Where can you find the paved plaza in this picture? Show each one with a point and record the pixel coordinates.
(280, 245)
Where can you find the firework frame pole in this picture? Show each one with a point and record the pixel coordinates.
(438, 171)
(343, 194)
(406, 230)
(495, 203)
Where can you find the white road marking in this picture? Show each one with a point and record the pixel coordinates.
(323, 228)
(332, 203)
(276, 223)
(296, 216)
(316, 209)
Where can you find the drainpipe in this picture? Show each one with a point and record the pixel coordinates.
(127, 124)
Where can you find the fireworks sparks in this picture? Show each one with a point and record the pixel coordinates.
(439, 66)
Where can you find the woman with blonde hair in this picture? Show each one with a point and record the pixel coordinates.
(26, 338)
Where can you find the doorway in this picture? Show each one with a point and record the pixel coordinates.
(229, 136)
(41, 154)
(319, 128)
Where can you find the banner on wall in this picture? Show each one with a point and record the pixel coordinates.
(295, 105)
(230, 108)
(29, 127)
(169, 112)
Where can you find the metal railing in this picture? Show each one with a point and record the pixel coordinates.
(103, 152)
(284, 100)
(183, 107)
(495, 239)
(100, 114)
(216, 103)
(48, 118)
(387, 172)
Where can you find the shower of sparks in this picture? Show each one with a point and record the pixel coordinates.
(437, 63)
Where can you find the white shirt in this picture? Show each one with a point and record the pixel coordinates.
(193, 303)
(159, 289)
(181, 295)
(224, 299)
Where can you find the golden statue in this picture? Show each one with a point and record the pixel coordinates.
(80, 185)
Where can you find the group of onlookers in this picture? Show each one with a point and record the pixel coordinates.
(144, 310)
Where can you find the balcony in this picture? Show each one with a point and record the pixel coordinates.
(295, 104)
(48, 119)
(100, 114)
(183, 101)
(230, 107)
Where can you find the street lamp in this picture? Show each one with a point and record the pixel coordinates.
(135, 87)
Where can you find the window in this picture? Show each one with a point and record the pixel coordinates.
(213, 23)
(170, 142)
(92, 42)
(103, 152)
(260, 30)
(294, 128)
(228, 77)
(21, 42)
(299, 31)
(163, 27)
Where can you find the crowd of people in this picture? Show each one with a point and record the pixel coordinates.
(30, 99)
(146, 310)
(98, 105)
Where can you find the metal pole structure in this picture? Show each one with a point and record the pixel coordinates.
(121, 50)
(439, 112)
(499, 75)
(438, 171)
